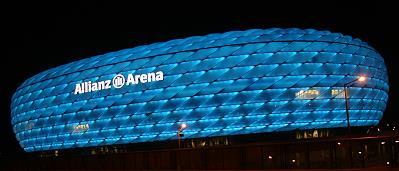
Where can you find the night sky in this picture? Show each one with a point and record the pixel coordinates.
(41, 36)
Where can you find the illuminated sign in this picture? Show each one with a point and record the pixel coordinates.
(118, 82)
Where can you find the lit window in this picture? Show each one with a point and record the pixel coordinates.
(307, 94)
(315, 134)
(80, 128)
(337, 93)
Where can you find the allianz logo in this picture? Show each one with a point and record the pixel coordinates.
(118, 82)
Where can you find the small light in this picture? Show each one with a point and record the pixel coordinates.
(183, 126)
(339, 143)
(383, 142)
(361, 78)
(293, 161)
(270, 157)
(378, 129)
(359, 152)
(397, 141)
(387, 162)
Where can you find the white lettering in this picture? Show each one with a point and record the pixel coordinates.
(151, 77)
(78, 89)
(118, 82)
(143, 78)
(107, 84)
(94, 87)
(136, 78)
(159, 76)
(130, 80)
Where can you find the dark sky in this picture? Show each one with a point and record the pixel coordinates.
(41, 36)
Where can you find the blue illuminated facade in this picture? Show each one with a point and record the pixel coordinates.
(239, 82)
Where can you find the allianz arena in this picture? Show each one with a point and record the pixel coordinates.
(239, 82)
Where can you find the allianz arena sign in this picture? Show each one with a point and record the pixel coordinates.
(118, 82)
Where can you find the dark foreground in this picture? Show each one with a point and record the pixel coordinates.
(354, 169)
(361, 153)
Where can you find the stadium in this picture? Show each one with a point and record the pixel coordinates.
(233, 83)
